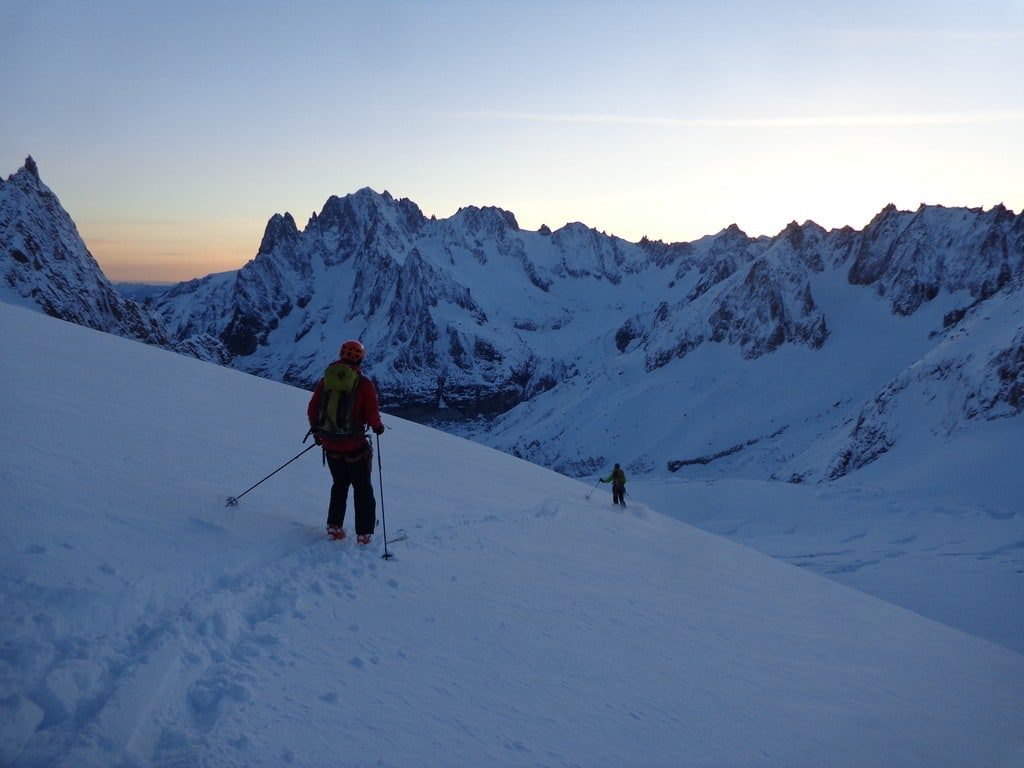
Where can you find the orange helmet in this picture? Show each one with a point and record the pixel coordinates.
(352, 352)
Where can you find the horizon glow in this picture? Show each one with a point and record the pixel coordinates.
(173, 132)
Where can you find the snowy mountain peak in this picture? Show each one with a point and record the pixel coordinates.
(488, 221)
(27, 179)
(31, 167)
(349, 221)
(576, 229)
(44, 263)
(280, 228)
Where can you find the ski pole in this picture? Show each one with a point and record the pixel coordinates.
(383, 520)
(591, 492)
(233, 500)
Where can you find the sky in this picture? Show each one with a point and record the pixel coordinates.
(173, 131)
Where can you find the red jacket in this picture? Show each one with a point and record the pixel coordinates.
(365, 412)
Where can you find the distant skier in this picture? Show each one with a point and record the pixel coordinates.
(343, 404)
(618, 480)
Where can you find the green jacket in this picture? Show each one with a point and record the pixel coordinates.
(617, 477)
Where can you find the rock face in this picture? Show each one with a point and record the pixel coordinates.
(755, 298)
(909, 258)
(43, 262)
(450, 309)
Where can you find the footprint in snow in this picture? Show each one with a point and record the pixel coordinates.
(221, 681)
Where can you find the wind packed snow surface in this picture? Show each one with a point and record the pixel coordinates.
(521, 623)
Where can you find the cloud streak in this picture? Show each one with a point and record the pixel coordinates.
(820, 121)
(862, 35)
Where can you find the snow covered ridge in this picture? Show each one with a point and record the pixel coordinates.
(472, 316)
(764, 357)
(478, 314)
(44, 262)
(520, 624)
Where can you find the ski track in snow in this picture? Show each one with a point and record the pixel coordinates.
(199, 647)
(205, 654)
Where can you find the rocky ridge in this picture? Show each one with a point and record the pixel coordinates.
(44, 262)
(744, 354)
(473, 318)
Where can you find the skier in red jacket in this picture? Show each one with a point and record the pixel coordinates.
(343, 404)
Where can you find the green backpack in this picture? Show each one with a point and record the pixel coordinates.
(336, 401)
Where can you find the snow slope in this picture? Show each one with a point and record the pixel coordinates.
(520, 624)
(953, 559)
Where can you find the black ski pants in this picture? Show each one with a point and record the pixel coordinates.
(352, 469)
(619, 494)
